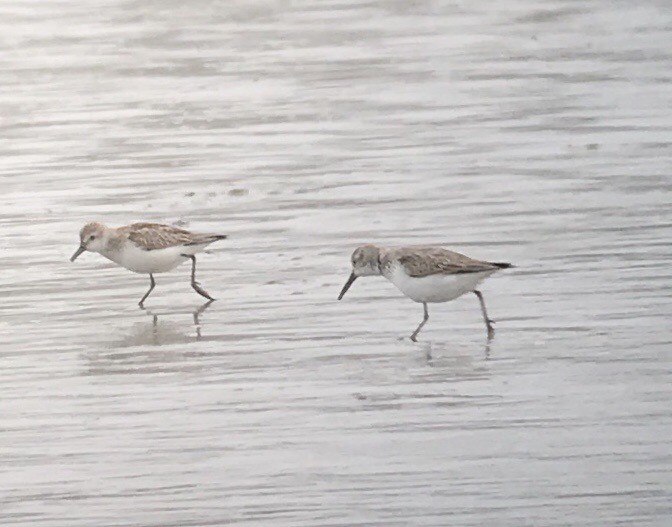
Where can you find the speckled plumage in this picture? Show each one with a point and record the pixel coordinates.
(424, 274)
(153, 236)
(146, 247)
(419, 261)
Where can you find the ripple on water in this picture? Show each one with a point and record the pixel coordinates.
(526, 134)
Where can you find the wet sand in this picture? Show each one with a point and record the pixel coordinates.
(537, 135)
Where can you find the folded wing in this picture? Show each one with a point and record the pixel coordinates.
(154, 236)
(428, 261)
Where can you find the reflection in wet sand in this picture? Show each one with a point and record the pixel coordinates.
(195, 317)
(156, 345)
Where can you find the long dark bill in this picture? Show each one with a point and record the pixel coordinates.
(79, 251)
(347, 285)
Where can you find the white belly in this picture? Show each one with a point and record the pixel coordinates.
(436, 287)
(156, 261)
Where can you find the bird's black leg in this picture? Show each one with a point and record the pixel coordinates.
(424, 321)
(151, 287)
(194, 283)
(486, 319)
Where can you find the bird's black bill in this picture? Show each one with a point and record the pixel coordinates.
(79, 251)
(347, 285)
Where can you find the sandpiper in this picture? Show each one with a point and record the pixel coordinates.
(146, 248)
(424, 274)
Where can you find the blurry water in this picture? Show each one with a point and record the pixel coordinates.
(538, 133)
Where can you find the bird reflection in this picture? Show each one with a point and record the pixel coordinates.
(430, 360)
(195, 316)
(151, 347)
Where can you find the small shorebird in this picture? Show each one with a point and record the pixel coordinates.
(146, 248)
(424, 274)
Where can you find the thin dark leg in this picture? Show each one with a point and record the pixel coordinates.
(194, 283)
(151, 286)
(486, 319)
(424, 321)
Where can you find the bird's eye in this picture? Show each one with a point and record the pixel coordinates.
(92, 237)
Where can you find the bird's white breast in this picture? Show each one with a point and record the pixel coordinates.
(140, 261)
(436, 287)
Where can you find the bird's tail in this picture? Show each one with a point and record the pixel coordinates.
(502, 265)
(206, 239)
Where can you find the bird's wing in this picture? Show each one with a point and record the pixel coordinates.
(426, 261)
(153, 236)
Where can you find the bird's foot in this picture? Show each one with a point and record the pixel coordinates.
(201, 291)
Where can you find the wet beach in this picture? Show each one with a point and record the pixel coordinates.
(540, 135)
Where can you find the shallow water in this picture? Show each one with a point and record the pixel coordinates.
(535, 134)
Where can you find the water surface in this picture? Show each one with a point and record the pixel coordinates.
(538, 134)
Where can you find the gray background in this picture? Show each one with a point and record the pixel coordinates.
(534, 132)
